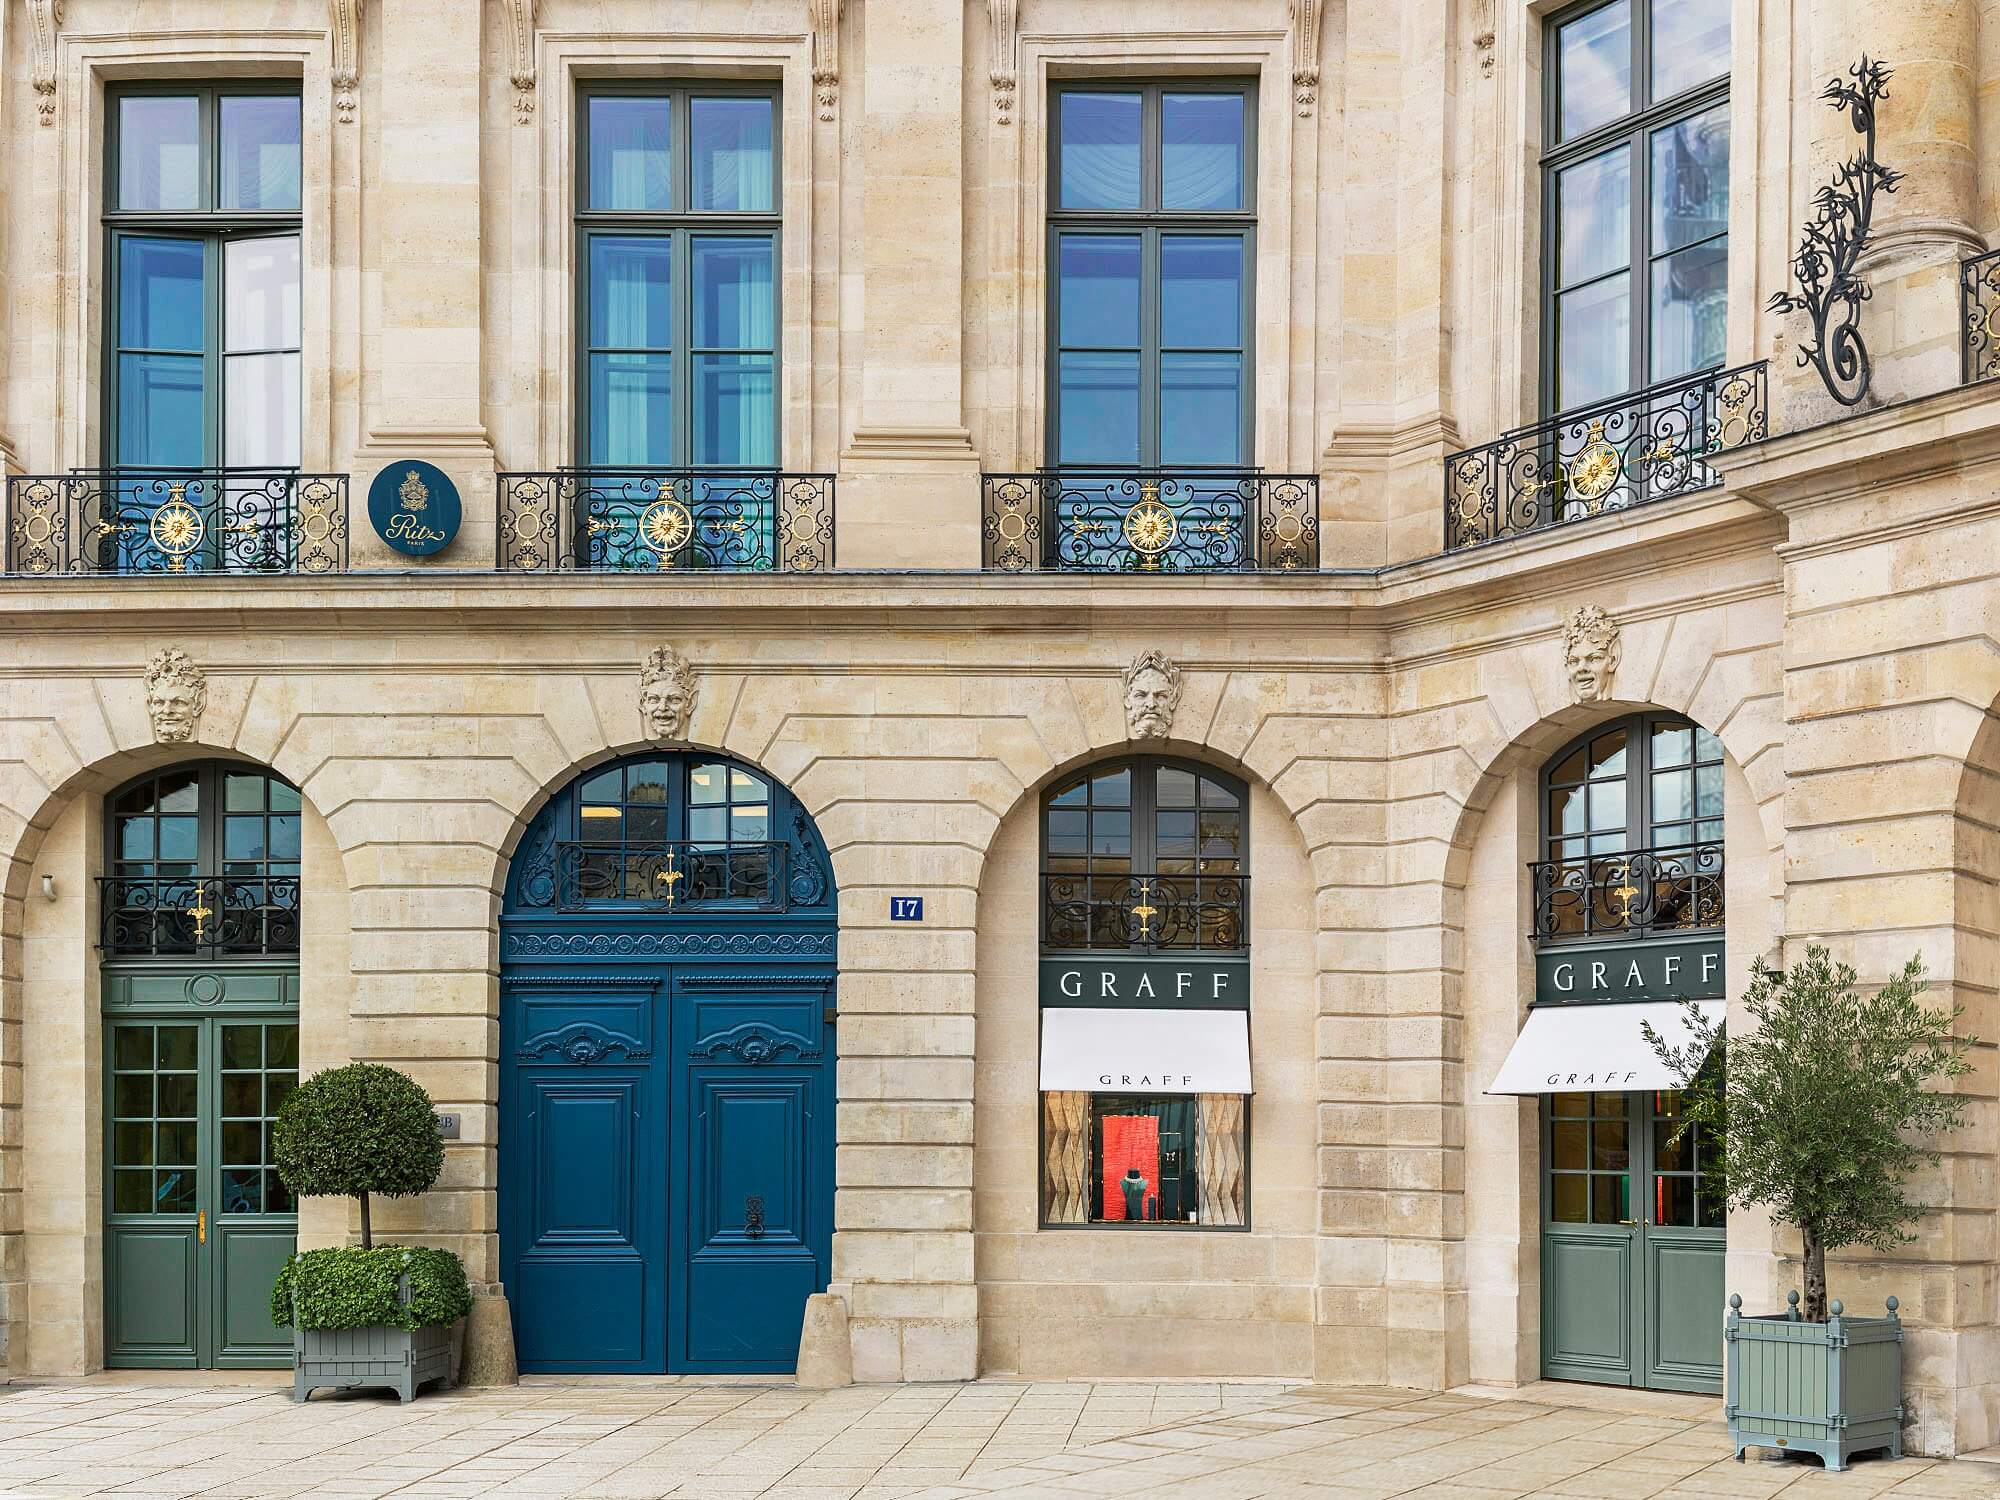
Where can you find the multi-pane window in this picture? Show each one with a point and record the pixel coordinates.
(677, 228)
(1636, 197)
(203, 224)
(203, 858)
(1632, 831)
(671, 831)
(1623, 1158)
(1152, 224)
(1147, 854)
(260, 1067)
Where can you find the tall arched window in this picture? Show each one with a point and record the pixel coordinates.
(1631, 832)
(202, 860)
(1145, 994)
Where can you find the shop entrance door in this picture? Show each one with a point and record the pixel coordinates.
(1632, 1245)
(197, 1225)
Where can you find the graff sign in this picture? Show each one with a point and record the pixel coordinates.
(1147, 983)
(1661, 969)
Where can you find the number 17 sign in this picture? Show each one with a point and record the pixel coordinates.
(906, 908)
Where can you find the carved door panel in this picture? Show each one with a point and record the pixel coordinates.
(753, 1167)
(583, 1152)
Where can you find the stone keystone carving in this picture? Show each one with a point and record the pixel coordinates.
(666, 694)
(1152, 696)
(176, 693)
(1591, 651)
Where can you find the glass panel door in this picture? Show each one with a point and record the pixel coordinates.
(1632, 1244)
(197, 1223)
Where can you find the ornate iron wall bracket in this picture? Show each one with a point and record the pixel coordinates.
(1832, 243)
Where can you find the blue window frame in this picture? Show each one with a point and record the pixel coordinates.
(1152, 244)
(677, 228)
(1636, 196)
(203, 264)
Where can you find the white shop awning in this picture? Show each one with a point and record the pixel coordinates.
(1567, 1047)
(1146, 1051)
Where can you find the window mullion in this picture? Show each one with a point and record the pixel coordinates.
(1149, 335)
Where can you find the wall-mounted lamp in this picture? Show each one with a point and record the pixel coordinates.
(49, 887)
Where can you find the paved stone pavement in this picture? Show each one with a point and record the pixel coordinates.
(629, 1440)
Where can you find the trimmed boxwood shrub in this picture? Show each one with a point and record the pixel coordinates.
(352, 1131)
(348, 1287)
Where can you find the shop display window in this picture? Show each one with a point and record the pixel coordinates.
(1145, 1159)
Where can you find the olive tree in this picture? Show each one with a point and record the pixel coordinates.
(1825, 1106)
(349, 1132)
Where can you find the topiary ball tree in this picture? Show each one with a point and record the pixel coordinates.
(349, 1132)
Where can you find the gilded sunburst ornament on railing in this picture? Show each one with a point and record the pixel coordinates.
(176, 528)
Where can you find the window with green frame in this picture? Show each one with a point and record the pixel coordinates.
(1636, 196)
(202, 256)
(1152, 243)
(677, 240)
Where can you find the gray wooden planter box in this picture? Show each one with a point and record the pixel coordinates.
(1832, 1388)
(356, 1358)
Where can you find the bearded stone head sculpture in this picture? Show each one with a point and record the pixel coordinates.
(176, 693)
(666, 694)
(1591, 651)
(1152, 695)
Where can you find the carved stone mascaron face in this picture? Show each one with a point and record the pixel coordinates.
(1591, 662)
(663, 704)
(174, 703)
(1149, 706)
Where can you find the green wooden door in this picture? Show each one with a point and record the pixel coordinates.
(197, 1224)
(1632, 1246)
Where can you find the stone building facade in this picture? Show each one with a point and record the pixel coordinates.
(1809, 585)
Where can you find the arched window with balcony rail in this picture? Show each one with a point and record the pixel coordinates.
(1145, 994)
(1631, 833)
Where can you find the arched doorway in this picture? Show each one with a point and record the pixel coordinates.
(1628, 922)
(667, 1071)
(199, 942)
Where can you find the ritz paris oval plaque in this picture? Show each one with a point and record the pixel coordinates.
(414, 507)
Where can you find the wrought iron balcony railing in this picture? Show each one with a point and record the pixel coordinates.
(1650, 445)
(674, 876)
(198, 916)
(148, 521)
(1635, 894)
(665, 520)
(1192, 913)
(1149, 521)
(1979, 322)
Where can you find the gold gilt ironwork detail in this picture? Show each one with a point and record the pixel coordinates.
(127, 521)
(1652, 445)
(1196, 521)
(630, 520)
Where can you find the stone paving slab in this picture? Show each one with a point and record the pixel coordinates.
(617, 1439)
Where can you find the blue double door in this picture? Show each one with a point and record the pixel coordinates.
(667, 1163)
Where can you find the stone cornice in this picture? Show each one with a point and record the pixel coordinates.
(1908, 441)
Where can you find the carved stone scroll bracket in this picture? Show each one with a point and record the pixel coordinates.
(1000, 18)
(1305, 17)
(825, 55)
(521, 33)
(44, 18)
(344, 30)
